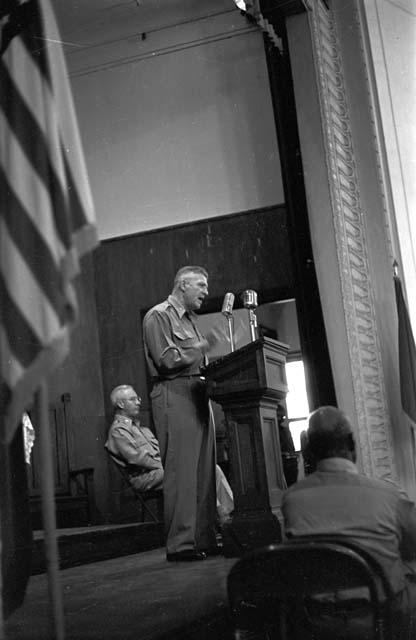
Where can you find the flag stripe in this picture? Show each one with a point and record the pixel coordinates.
(78, 213)
(33, 249)
(34, 38)
(25, 23)
(35, 146)
(38, 99)
(70, 139)
(27, 295)
(407, 354)
(46, 209)
(11, 369)
(26, 344)
(28, 80)
(5, 394)
(32, 193)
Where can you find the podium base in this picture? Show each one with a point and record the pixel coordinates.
(248, 531)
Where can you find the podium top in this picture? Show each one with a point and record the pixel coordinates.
(261, 344)
(257, 368)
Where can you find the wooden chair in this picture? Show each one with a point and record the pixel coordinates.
(142, 497)
(74, 488)
(315, 590)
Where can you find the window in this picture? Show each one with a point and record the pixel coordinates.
(296, 400)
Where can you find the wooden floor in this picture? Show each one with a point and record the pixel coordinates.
(140, 597)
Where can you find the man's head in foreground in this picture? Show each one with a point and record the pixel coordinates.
(330, 435)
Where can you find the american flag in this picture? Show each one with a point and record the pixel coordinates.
(407, 354)
(46, 209)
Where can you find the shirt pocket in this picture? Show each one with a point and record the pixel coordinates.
(183, 336)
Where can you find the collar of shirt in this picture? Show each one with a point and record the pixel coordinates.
(179, 308)
(126, 420)
(336, 464)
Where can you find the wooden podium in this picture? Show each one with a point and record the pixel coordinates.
(248, 384)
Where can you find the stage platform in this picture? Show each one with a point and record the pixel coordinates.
(140, 597)
(82, 545)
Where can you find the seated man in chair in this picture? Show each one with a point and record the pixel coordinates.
(135, 448)
(337, 500)
(131, 445)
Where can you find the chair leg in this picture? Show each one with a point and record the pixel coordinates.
(151, 513)
(145, 508)
(160, 509)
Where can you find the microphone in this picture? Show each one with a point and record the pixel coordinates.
(250, 303)
(250, 299)
(227, 311)
(227, 305)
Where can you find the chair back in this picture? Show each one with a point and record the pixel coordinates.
(315, 589)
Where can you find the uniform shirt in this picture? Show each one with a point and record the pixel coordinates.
(376, 515)
(133, 446)
(170, 334)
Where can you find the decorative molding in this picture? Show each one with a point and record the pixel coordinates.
(253, 10)
(352, 249)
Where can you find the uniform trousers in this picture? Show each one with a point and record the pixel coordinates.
(184, 428)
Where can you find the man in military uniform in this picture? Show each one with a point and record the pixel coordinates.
(131, 445)
(175, 352)
(136, 449)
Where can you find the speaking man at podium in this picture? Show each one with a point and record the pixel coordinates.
(175, 351)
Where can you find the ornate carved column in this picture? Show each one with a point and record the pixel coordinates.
(352, 246)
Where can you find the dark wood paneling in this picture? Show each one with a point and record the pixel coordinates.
(248, 250)
(80, 376)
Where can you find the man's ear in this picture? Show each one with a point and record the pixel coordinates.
(352, 447)
(120, 404)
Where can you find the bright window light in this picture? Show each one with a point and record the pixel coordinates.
(296, 400)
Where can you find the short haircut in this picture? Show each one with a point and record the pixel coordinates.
(116, 393)
(329, 433)
(183, 271)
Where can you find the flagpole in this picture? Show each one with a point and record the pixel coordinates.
(2, 636)
(48, 512)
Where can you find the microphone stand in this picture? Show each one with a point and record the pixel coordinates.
(227, 311)
(230, 330)
(253, 324)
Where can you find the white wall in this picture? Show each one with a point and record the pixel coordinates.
(392, 31)
(177, 127)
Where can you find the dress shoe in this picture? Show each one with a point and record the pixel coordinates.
(187, 555)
